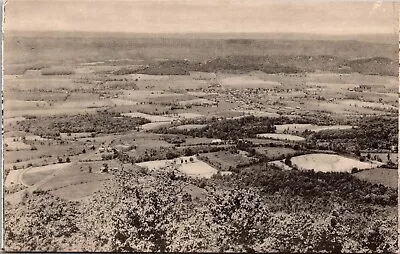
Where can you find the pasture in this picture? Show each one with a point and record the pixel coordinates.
(12, 178)
(330, 163)
(227, 160)
(154, 126)
(190, 126)
(190, 115)
(198, 169)
(274, 153)
(75, 135)
(194, 167)
(11, 144)
(34, 175)
(76, 178)
(383, 176)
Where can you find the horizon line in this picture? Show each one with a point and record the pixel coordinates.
(178, 33)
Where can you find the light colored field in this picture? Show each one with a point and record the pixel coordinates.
(364, 104)
(281, 136)
(334, 86)
(202, 75)
(73, 178)
(12, 178)
(202, 94)
(196, 168)
(146, 77)
(154, 126)
(43, 151)
(190, 126)
(152, 165)
(11, 145)
(330, 163)
(32, 176)
(44, 82)
(248, 81)
(258, 113)
(279, 164)
(13, 120)
(197, 102)
(122, 102)
(311, 127)
(190, 115)
(22, 105)
(145, 95)
(75, 135)
(49, 111)
(152, 118)
(383, 176)
(96, 103)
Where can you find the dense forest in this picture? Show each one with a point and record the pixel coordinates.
(261, 209)
(378, 132)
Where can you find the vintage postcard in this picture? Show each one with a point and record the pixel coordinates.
(200, 126)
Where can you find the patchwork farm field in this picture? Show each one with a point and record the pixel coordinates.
(34, 175)
(77, 174)
(273, 153)
(383, 176)
(227, 160)
(191, 166)
(330, 163)
(190, 126)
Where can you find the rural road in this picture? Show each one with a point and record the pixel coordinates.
(16, 197)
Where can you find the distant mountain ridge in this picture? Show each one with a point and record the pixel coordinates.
(230, 54)
(385, 38)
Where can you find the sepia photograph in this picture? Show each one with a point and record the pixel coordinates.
(200, 126)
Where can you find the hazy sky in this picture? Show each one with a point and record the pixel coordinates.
(186, 16)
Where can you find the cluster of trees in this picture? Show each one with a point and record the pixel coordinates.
(314, 185)
(168, 153)
(261, 210)
(41, 222)
(377, 132)
(101, 122)
(246, 127)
